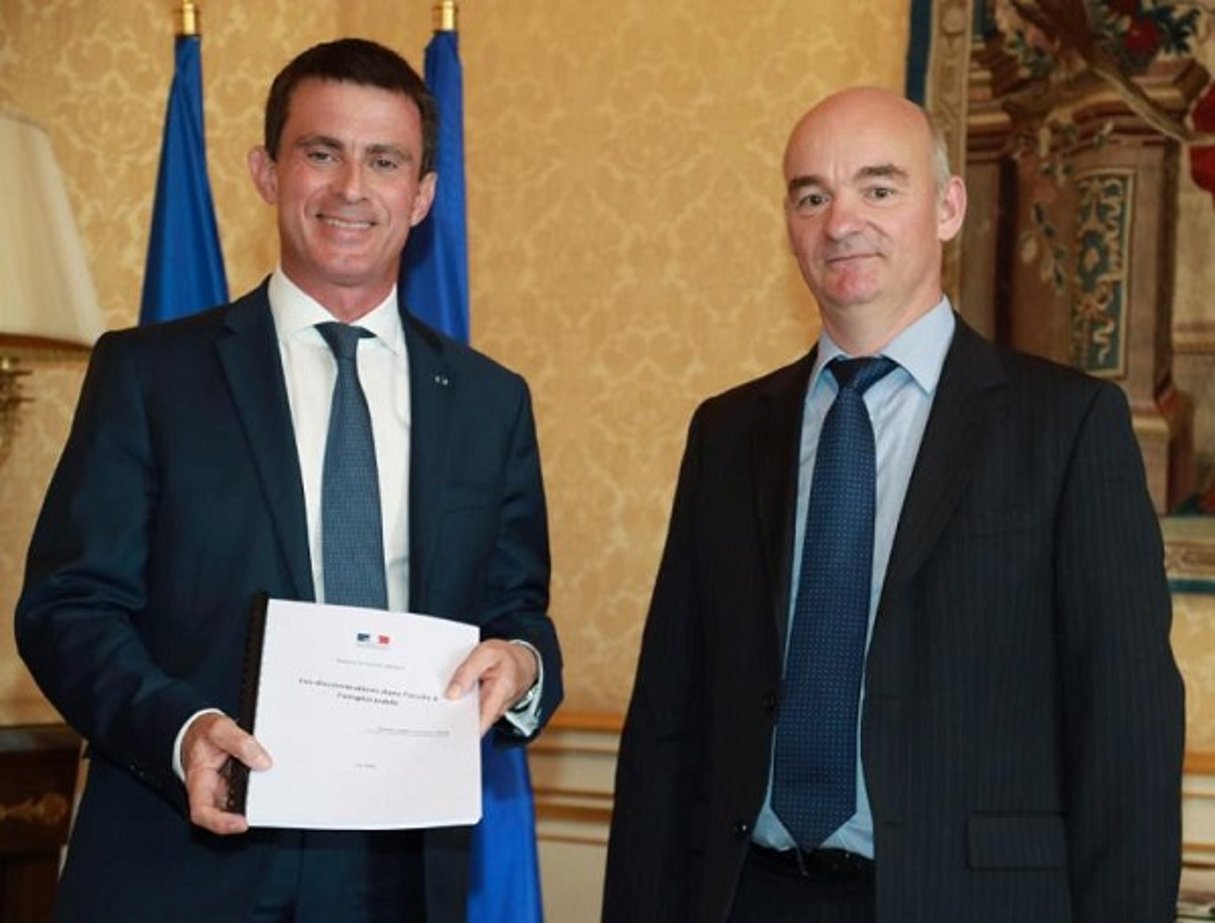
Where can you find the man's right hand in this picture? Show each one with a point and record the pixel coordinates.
(209, 742)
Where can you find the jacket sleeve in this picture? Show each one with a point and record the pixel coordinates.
(651, 845)
(84, 582)
(1122, 694)
(518, 575)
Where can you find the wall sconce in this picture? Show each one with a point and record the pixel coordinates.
(47, 299)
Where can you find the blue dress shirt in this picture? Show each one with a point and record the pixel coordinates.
(898, 407)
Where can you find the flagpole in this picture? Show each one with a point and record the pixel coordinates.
(188, 16)
(184, 271)
(445, 15)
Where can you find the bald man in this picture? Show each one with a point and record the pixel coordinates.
(953, 701)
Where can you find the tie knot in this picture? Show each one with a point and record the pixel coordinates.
(859, 374)
(343, 339)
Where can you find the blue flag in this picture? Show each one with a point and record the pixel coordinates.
(185, 269)
(434, 267)
(504, 878)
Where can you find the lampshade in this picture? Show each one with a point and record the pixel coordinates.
(46, 291)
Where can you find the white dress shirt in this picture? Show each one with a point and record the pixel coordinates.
(310, 371)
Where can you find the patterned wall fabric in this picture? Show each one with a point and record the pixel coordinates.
(627, 242)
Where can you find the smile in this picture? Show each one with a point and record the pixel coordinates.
(345, 224)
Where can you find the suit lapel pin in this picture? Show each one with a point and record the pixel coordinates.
(442, 380)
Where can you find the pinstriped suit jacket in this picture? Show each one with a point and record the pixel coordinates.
(1023, 730)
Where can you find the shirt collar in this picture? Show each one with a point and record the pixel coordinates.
(296, 313)
(920, 349)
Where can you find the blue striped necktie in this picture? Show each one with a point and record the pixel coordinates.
(352, 538)
(814, 774)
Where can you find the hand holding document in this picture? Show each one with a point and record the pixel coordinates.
(350, 704)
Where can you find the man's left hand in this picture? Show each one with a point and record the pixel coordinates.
(505, 671)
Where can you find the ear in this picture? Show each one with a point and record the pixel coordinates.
(951, 209)
(791, 218)
(265, 178)
(424, 199)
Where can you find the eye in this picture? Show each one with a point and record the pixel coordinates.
(319, 155)
(385, 164)
(810, 202)
(882, 192)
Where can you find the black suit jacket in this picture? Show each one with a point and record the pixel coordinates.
(178, 496)
(1022, 733)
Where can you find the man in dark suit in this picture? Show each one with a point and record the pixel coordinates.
(194, 476)
(1012, 750)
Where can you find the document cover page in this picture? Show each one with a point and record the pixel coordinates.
(349, 703)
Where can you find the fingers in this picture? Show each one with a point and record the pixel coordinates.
(211, 741)
(228, 737)
(505, 672)
(207, 790)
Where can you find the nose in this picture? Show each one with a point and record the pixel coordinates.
(842, 218)
(348, 180)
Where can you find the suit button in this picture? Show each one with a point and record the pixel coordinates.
(742, 828)
(769, 702)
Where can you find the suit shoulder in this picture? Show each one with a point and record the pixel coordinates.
(793, 377)
(1039, 376)
(463, 359)
(194, 328)
(1040, 395)
(473, 360)
(977, 361)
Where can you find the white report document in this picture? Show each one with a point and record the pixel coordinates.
(350, 706)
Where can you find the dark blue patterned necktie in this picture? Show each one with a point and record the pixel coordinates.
(814, 776)
(352, 538)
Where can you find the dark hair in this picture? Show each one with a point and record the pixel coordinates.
(352, 60)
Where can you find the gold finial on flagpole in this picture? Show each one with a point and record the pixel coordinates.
(445, 15)
(188, 18)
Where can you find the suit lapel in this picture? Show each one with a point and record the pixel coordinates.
(775, 453)
(951, 446)
(432, 386)
(254, 371)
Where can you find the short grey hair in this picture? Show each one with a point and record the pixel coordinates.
(940, 152)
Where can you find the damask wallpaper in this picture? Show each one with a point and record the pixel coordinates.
(627, 244)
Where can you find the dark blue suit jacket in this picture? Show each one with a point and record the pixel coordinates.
(178, 497)
(1023, 720)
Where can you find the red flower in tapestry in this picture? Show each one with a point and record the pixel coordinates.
(1142, 37)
